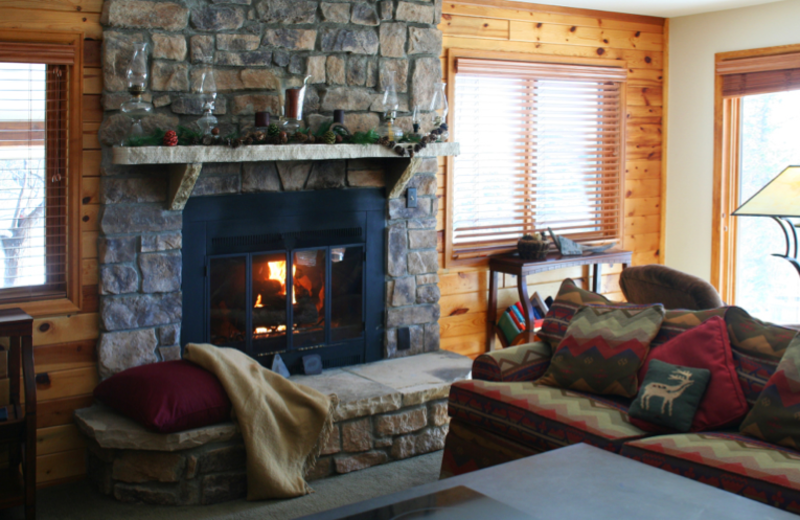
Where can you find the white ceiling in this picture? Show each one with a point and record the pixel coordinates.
(663, 8)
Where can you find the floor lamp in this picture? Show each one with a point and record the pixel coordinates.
(779, 200)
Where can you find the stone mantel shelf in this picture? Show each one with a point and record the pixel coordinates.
(187, 161)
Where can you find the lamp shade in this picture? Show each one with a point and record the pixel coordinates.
(779, 198)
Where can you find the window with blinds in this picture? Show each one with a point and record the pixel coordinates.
(542, 146)
(34, 163)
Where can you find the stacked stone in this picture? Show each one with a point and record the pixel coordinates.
(258, 47)
(412, 291)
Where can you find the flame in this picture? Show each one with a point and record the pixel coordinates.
(277, 272)
(258, 304)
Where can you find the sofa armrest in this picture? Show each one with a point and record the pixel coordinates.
(526, 362)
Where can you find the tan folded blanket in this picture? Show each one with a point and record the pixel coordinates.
(281, 422)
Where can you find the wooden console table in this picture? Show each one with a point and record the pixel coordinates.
(511, 263)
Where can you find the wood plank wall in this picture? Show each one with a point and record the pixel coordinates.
(496, 25)
(64, 346)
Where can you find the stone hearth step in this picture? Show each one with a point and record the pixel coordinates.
(388, 410)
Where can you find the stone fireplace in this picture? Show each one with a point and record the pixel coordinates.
(256, 48)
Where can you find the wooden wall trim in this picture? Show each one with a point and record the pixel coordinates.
(664, 131)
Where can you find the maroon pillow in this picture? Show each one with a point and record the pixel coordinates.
(706, 346)
(167, 397)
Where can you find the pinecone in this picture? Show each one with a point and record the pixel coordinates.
(399, 150)
(260, 137)
(170, 138)
(273, 130)
(329, 137)
(208, 140)
(383, 140)
(339, 138)
(247, 140)
(390, 144)
(300, 137)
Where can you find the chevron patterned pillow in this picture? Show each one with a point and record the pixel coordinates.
(603, 349)
(776, 414)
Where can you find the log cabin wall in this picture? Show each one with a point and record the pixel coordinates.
(64, 345)
(494, 25)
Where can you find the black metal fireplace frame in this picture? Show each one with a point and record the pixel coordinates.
(277, 222)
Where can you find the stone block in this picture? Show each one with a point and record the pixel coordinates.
(281, 57)
(286, 11)
(421, 262)
(295, 39)
(146, 15)
(327, 175)
(357, 41)
(259, 58)
(405, 421)
(169, 46)
(135, 467)
(335, 12)
(372, 73)
(415, 315)
(260, 177)
(114, 100)
(117, 54)
(361, 122)
(366, 178)
(162, 496)
(358, 396)
(297, 65)
(118, 351)
(332, 443)
(321, 469)
(361, 461)
(346, 99)
(238, 42)
(116, 190)
(421, 239)
(404, 291)
(383, 442)
(249, 104)
(169, 76)
(432, 337)
(224, 458)
(161, 242)
(201, 49)
(118, 279)
(216, 185)
(424, 183)
(161, 272)
(112, 250)
(423, 223)
(402, 106)
(334, 68)
(172, 353)
(427, 279)
(238, 79)
(357, 71)
(408, 12)
(437, 416)
(400, 70)
(364, 14)
(315, 67)
(194, 105)
(218, 18)
(393, 40)
(223, 487)
(398, 209)
(437, 12)
(424, 40)
(391, 351)
(397, 257)
(142, 310)
(430, 440)
(386, 8)
(294, 174)
(428, 294)
(357, 436)
(426, 79)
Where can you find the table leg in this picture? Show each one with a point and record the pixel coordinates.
(491, 314)
(596, 282)
(527, 307)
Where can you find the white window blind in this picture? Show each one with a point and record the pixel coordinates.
(542, 145)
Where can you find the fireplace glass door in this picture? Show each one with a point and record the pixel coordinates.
(316, 293)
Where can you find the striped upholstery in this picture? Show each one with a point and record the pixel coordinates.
(732, 462)
(522, 363)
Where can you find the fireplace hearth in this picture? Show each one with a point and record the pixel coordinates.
(288, 273)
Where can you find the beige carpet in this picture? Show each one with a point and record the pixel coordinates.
(80, 501)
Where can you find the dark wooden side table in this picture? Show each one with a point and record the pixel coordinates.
(18, 430)
(511, 263)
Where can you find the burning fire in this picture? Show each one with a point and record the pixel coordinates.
(277, 272)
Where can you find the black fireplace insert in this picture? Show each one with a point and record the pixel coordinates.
(288, 273)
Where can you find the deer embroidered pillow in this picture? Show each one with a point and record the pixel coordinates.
(670, 395)
(603, 349)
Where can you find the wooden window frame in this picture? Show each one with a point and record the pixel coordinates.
(72, 301)
(727, 136)
(453, 55)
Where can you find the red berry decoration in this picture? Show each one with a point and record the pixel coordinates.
(171, 138)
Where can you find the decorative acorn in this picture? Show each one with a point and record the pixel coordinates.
(311, 138)
(215, 131)
(284, 137)
(273, 130)
(170, 138)
(329, 137)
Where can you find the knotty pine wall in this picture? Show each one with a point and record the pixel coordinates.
(64, 346)
(548, 30)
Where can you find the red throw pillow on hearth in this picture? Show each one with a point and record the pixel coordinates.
(167, 397)
(705, 346)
